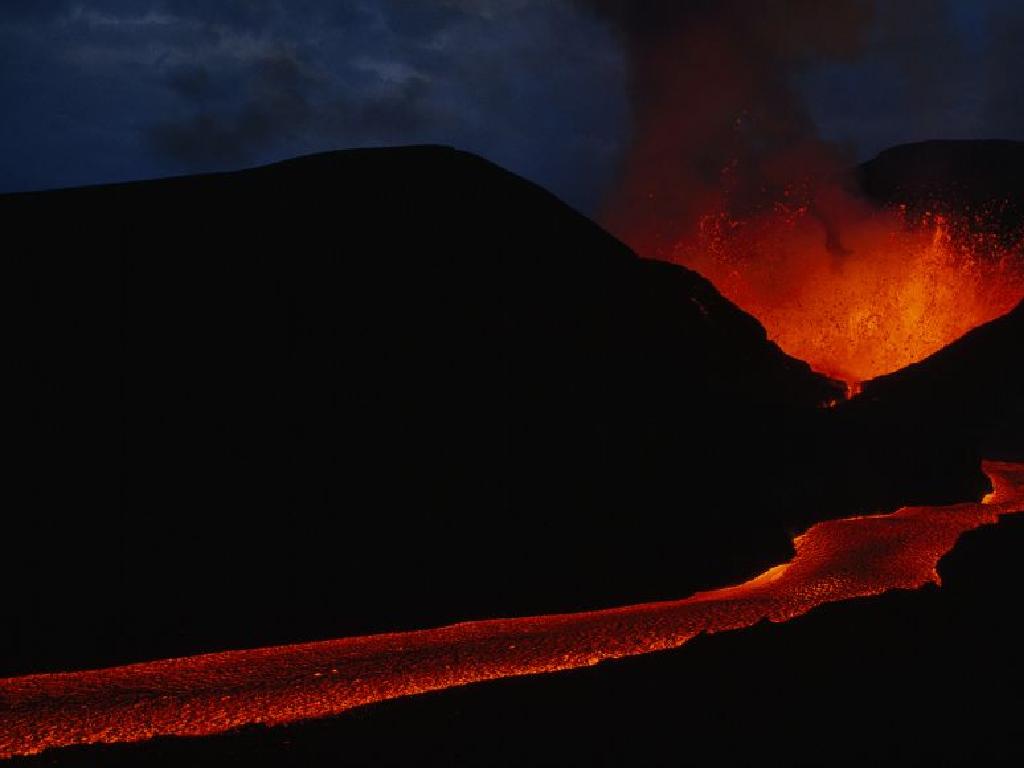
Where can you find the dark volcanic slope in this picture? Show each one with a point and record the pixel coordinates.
(971, 393)
(203, 695)
(373, 390)
(982, 177)
(924, 678)
(938, 418)
(965, 402)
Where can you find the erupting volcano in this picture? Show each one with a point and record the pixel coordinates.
(590, 409)
(859, 272)
(728, 173)
(514, 382)
(895, 289)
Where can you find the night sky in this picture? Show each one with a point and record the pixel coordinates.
(104, 90)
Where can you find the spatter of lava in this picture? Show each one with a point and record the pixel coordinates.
(201, 695)
(882, 291)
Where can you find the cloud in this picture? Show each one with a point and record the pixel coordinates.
(931, 69)
(94, 18)
(285, 102)
(97, 90)
(531, 84)
(1001, 78)
(177, 86)
(102, 90)
(275, 107)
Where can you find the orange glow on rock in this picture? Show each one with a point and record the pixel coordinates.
(881, 291)
(213, 693)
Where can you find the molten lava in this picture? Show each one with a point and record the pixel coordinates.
(882, 291)
(201, 695)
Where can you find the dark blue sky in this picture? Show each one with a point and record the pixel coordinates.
(103, 90)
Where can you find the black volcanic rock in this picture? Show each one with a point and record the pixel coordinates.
(370, 390)
(909, 678)
(396, 388)
(981, 178)
(970, 393)
(918, 436)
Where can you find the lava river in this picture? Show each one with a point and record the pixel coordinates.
(200, 695)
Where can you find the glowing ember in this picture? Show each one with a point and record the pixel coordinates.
(201, 695)
(883, 291)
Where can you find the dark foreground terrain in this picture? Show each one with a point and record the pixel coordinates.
(393, 389)
(931, 677)
(375, 390)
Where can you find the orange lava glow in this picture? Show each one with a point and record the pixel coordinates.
(201, 695)
(882, 291)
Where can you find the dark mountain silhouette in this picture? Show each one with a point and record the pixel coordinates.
(914, 436)
(980, 177)
(389, 389)
(371, 390)
(396, 388)
(972, 392)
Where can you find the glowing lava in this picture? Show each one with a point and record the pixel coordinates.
(882, 291)
(201, 695)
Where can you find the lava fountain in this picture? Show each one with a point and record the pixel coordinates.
(883, 290)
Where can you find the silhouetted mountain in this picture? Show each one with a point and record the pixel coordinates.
(917, 436)
(396, 388)
(980, 177)
(376, 389)
(970, 393)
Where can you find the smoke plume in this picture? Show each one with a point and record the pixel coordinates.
(717, 122)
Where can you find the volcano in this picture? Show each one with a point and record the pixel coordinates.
(414, 348)
(867, 273)
(386, 390)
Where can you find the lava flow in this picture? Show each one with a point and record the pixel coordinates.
(201, 695)
(883, 291)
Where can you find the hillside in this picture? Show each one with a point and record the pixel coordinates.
(372, 390)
